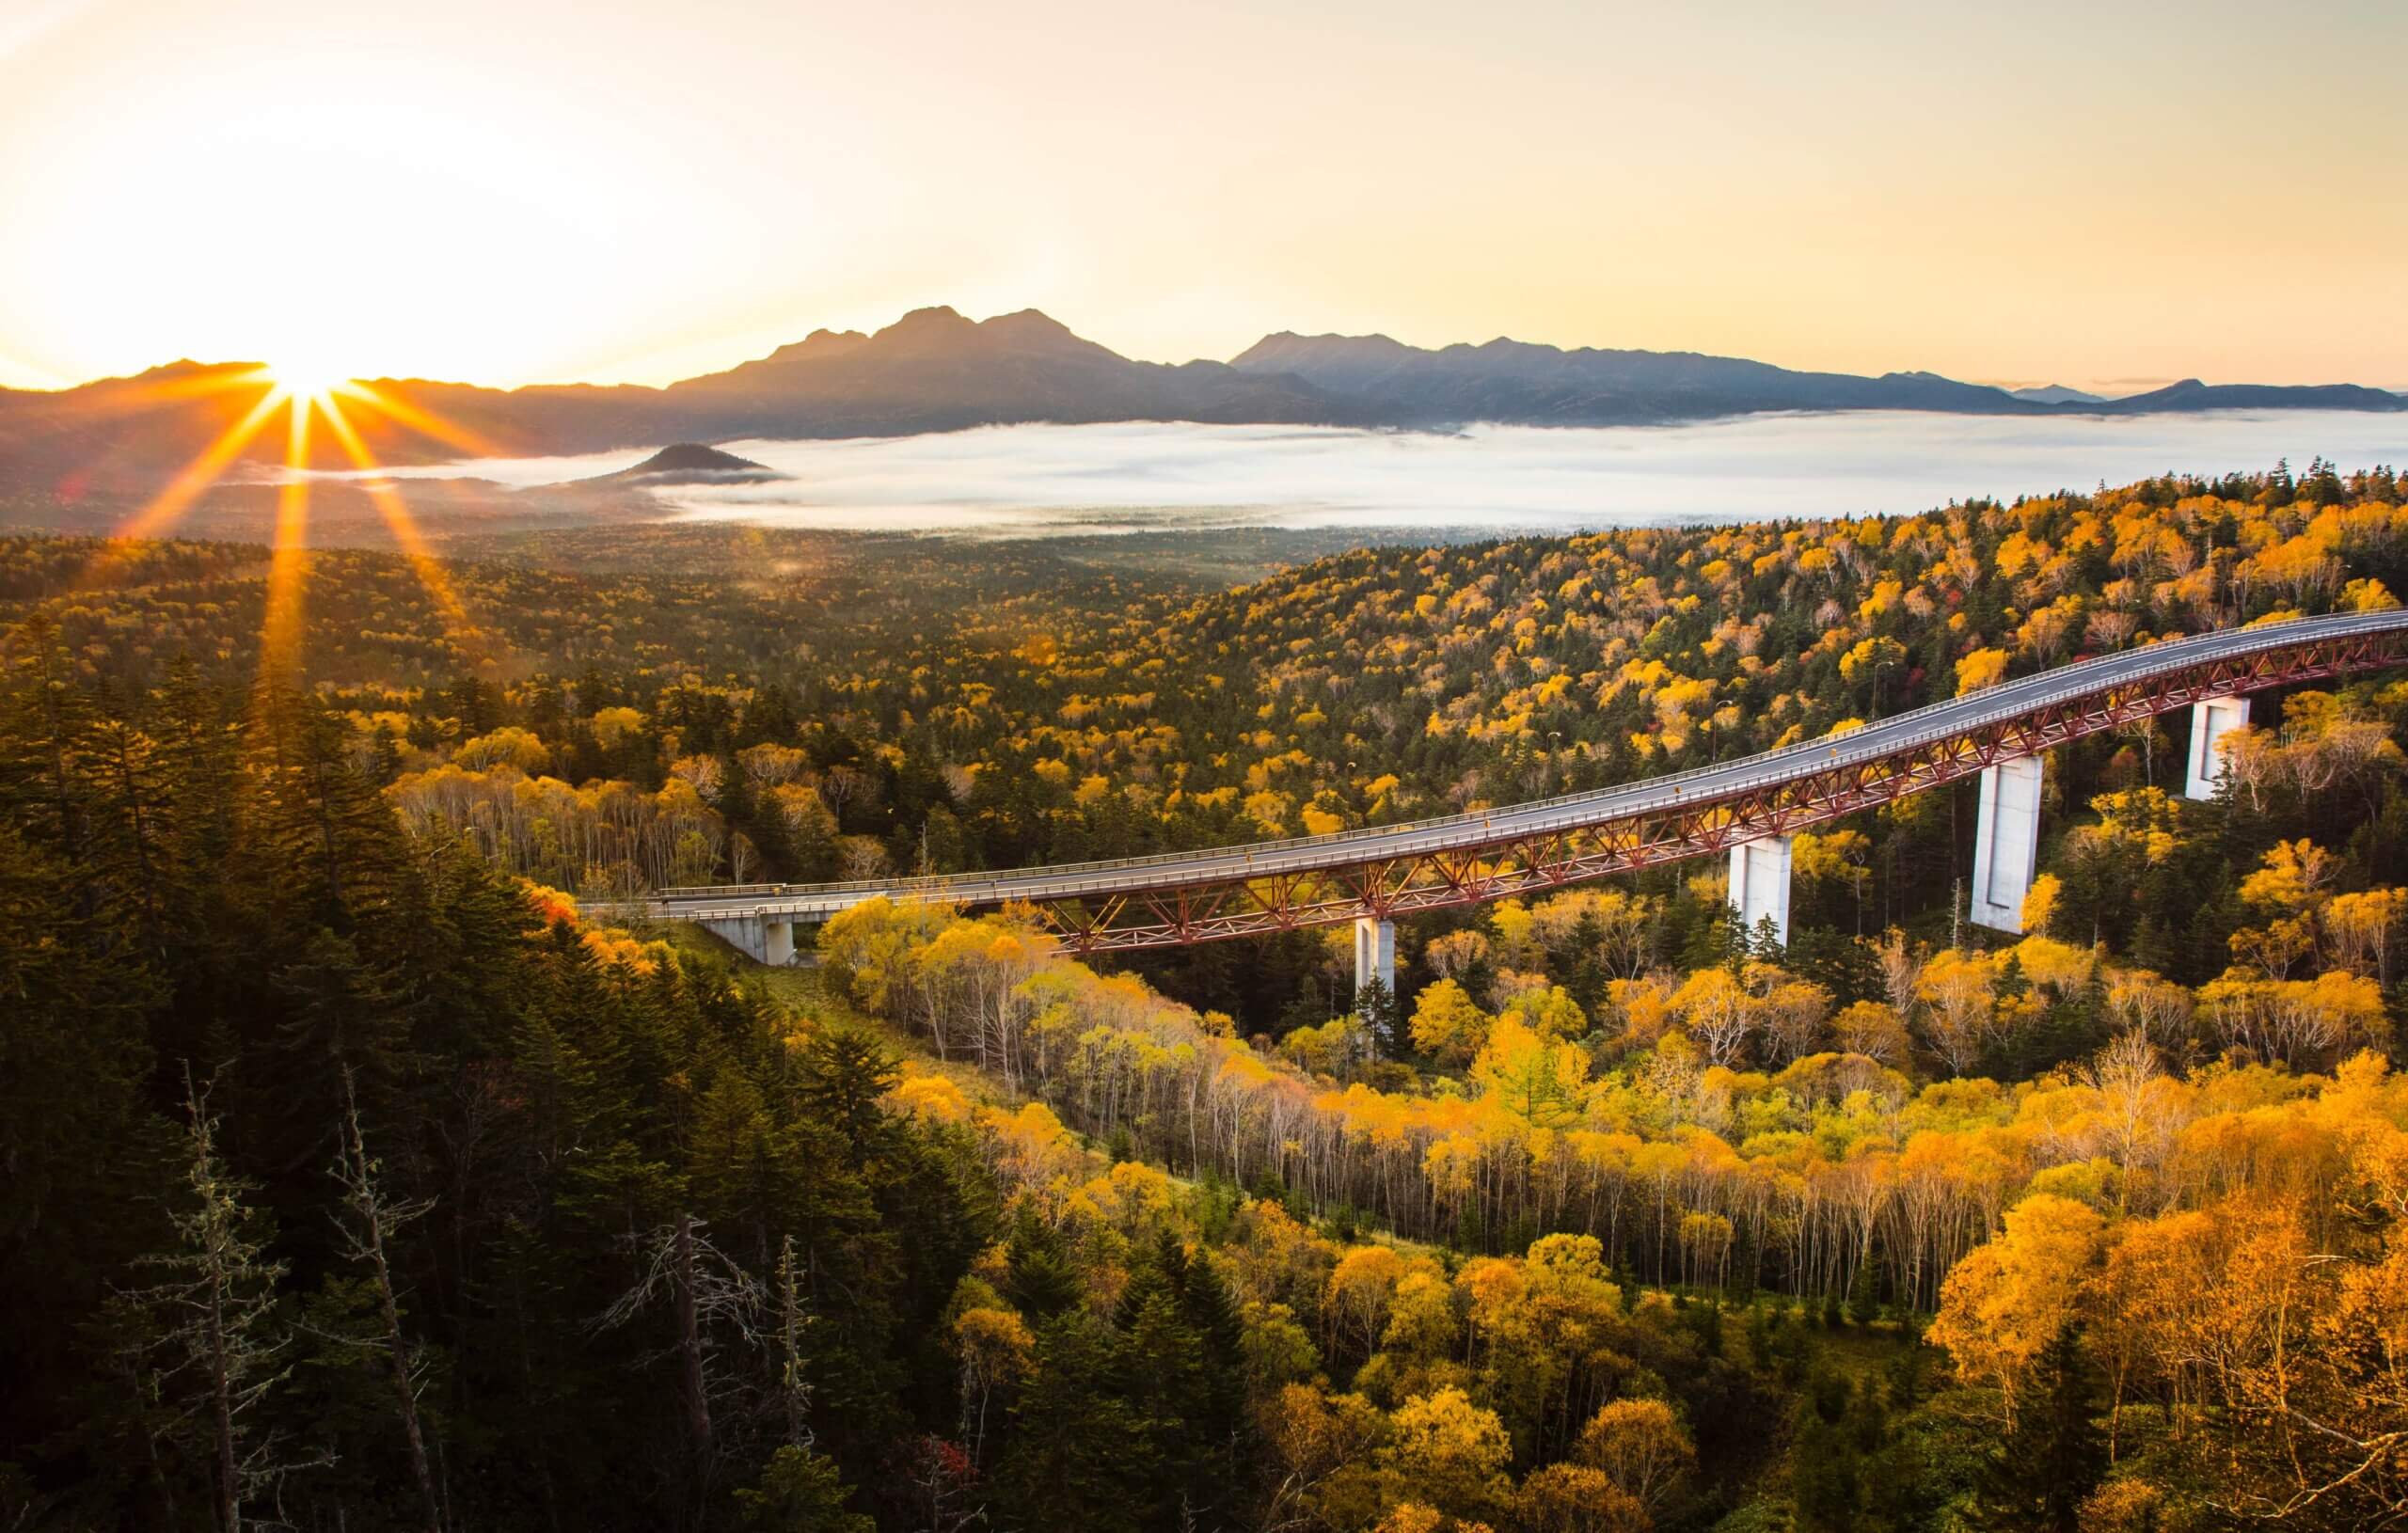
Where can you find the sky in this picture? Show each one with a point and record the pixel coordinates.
(2101, 193)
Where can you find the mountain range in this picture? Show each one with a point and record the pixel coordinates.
(934, 370)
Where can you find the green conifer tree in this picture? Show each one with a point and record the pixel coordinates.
(2055, 1453)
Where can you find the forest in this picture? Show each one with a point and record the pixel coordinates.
(362, 1175)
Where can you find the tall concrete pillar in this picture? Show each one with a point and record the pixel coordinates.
(2007, 842)
(2210, 721)
(1760, 884)
(1374, 953)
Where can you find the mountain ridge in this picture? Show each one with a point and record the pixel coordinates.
(2058, 394)
(935, 370)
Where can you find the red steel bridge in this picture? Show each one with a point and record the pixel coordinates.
(1370, 877)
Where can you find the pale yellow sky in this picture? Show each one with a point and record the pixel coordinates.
(509, 191)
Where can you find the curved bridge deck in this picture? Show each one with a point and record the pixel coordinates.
(1183, 897)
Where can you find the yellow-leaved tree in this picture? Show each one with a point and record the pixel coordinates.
(2008, 1299)
(1446, 1025)
(1983, 667)
(1448, 1453)
(1543, 1083)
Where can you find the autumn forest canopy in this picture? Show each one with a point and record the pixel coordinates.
(365, 1169)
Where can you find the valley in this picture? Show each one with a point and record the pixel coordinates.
(1604, 1208)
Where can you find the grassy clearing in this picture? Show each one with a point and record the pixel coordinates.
(805, 992)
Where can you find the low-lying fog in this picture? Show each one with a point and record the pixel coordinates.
(1032, 480)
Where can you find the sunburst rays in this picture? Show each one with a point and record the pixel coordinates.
(388, 402)
(289, 555)
(198, 476)
(305, 403)
(386, 498)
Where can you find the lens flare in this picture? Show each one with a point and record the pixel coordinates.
(289, 559)
(393, 406)
(304, 391)
(204, 471)
(303, 379)
(387, 497)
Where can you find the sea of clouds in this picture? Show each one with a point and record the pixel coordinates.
(1040, 480)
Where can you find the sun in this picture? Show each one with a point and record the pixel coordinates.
(307, 378)
(312, 399)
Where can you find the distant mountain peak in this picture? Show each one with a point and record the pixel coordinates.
(823, 342)
(1026, 319)
(940, 330)
(1034, 330)
(933, 317)
(2057, 394)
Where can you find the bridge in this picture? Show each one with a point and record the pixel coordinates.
(1747, 809)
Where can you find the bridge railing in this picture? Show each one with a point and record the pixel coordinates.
(1918, 727)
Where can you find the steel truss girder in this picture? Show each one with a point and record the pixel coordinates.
(1526, 863)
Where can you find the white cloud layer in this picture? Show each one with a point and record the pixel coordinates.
(1040, 479)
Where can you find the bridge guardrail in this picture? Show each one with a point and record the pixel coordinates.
(1917, 727)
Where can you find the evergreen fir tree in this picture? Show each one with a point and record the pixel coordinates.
(846, 1075)
(1384, 1019)
(1043, 1283)
(88, 1163)
(799, 1492)
(1759, 1335)
(1826, 1470)
(2053, 1454)
(1081, 1456)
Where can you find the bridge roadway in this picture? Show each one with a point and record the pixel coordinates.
(2172, 673)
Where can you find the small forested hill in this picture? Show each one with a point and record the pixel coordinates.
(691, 463)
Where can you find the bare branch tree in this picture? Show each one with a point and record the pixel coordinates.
(794, 1389)
(373, 1218)
(218, 1339)
(710, 1297)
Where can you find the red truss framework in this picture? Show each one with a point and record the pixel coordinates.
(1215, 910)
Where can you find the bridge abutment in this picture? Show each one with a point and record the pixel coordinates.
(1374, 953)
(2210, 721)
(1760, 884)
(2007, 842)
(762, 939)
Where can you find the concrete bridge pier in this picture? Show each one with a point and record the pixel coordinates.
(2210, 721)
(2007, 842)
(763, 939)
(1760, 884)
(1374, 953)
